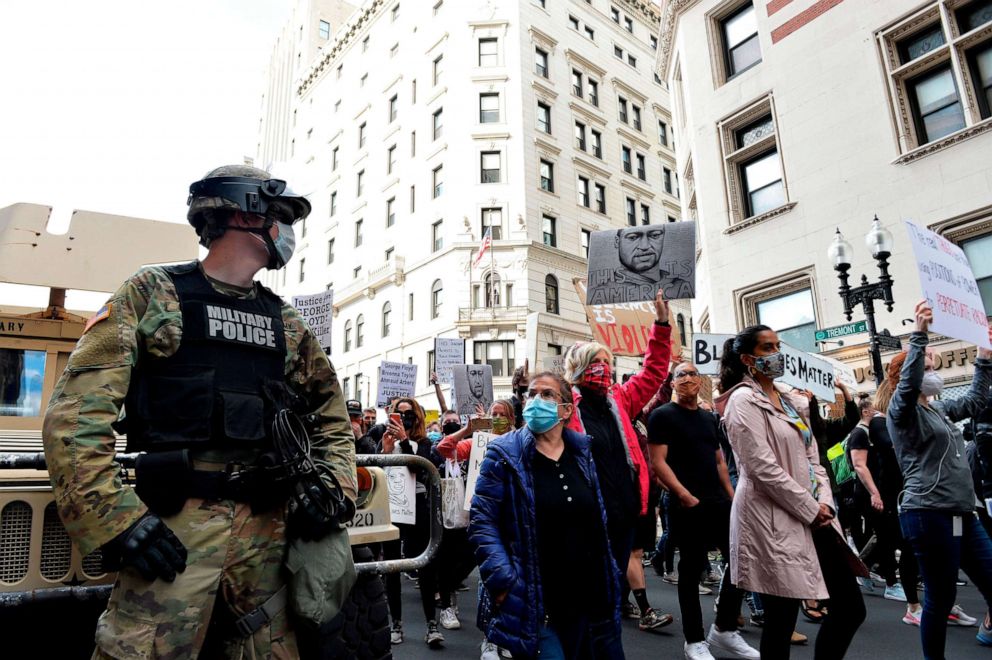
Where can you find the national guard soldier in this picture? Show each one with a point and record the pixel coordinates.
(203, 360)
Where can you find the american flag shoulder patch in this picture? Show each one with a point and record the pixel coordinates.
(102, 313)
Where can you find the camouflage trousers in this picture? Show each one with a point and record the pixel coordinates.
(235, 563)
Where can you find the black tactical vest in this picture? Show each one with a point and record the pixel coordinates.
(222, 387)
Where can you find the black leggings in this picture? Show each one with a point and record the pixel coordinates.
(846, 608)
(889, 538)
(414, 539)
(455, 563)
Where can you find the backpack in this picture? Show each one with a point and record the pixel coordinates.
(840, 460)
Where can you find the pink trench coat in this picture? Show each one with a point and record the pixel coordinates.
(771, 542)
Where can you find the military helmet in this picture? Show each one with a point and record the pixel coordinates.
(243, 188)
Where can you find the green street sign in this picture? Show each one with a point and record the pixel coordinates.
(839, 331)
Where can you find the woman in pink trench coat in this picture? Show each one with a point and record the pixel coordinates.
(785, 542)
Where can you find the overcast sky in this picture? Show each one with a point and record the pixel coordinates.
(116, 106)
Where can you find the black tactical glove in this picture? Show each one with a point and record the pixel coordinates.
(150, 547)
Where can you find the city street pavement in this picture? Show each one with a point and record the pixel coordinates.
(882, 636)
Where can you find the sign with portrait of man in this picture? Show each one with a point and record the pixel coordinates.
(633, 263)
(473, 385)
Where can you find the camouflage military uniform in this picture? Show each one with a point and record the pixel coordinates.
(232, 553)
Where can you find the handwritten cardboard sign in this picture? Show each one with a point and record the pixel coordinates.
(316, 311)
(402, 488)
(480, 441)
(949, 287)
(448, 352)
(623, 327)
(395, 379)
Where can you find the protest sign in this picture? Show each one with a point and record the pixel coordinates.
(316, 311)
(480, 441)
(473, 384)
(448, 352)
(623, 327)
(631, 264)
(555, 364)
(395, 379)
(843, 373)
(949, 287)
(707, 349)
(402, 487)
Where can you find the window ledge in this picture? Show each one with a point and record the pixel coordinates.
(758, 219)
(980, 128)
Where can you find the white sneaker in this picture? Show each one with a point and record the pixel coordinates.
(505, 653)
(449, 620)
(704, 590)
(730, 644)
(895, 592)
(957, 617)
(697, 651)
(396, 633)
(489, 651)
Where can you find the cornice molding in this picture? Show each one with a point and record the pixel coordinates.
(587, 114)
(955, 138)
(588, 65)
(593, 168)
(666, 35)
(630, 136)
(635, 95)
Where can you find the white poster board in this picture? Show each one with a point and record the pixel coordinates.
(480, 441)
(402, 487)
(554, 364)
(395, 379)
(843, 373)
(707, 349)
(448, 352)
(949, 287)
(316, 311)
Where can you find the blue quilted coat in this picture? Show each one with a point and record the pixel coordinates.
(503, 530)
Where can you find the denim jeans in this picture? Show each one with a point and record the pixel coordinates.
(582, 639)
(940, 554)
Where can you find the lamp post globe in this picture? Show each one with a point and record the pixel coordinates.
(840, 252)
(879, 240)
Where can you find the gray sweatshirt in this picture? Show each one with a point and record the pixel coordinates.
(929, 447)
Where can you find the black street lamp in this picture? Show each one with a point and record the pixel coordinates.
(879, 241)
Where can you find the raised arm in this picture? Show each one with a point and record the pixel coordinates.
(978, 396)
(645, 383)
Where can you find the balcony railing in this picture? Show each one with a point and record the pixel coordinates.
(490, 313)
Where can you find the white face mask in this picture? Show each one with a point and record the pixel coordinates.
(932, 384)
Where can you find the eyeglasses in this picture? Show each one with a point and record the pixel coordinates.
(686, 374)
(547, 394)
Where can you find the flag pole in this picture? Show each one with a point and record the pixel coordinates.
(492, 272)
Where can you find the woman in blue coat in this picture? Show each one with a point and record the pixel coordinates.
(551, 587)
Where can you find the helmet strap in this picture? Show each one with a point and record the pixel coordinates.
(266, 237)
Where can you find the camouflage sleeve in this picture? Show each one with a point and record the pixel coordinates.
(311, 375)
(92, 501)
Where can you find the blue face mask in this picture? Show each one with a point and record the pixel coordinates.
(434, 436)
(541, 416)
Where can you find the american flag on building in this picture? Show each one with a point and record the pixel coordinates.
(487, 242)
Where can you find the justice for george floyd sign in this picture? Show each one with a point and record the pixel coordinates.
(633, 263)
(395, 379)
(949, 287)
(316, 311)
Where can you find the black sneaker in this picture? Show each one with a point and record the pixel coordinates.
(433, 638)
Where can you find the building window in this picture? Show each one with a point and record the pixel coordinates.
(438, 178)
(593, 88)
(490, 291)
(544, 117)
(409, 307)
(394, 50)
(488, 52)
(437, 236)
(330, 251)
(625, 159)
(550, 236)
(636, 115)
(641, 167)
(628, 23)
(390, 211)
(654, 42)
(437, 291)
(334, 159)
(540, 63)
(573, 22)
(393, 108)
(488, 108)
(324, 30)
(334, 203)
(347, 336)
(631, 60)
(364, 79)
(430, 365)
(662, 133)
(388, 254)
(680, 322)
(753, 167)
(361, 135)
(576, 83)
(666, 175)
(631, 209)
(360, 183)
(601, 198)
(492, 220)
(413, 143)
(590, 33)
(497, 354)
(645, 214)
(303, 269)
(387, 313)
(395, 13)
(437, 123)
(337, 73)
(792, 317)
(437, 69)
(615, 15)
(597, 143)
(618, 52)
(671, 218)
(490, 166)
(584, 191)
(551, 294)
(547, 176)
(365, 44)
(355, 272)
(580, 136)
(413, 199)
(622, 109)
(741, 49)
(358, 232)
(979, 253)
(584, 236)
(391, 159)
(359, 331)
(413, 91)
(437, 7)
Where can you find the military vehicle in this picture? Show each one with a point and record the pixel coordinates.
(50, 595)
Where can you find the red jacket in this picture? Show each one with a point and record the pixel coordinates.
(630, 398)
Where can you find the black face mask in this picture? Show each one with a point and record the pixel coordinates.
(521, 392)
(409, 419)
(450, 427)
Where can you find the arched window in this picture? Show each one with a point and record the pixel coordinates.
(347, 336)
(359, 331)
(551, 294)
(680, 319)
(437, 289)
(491, 286)
(387, 310)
